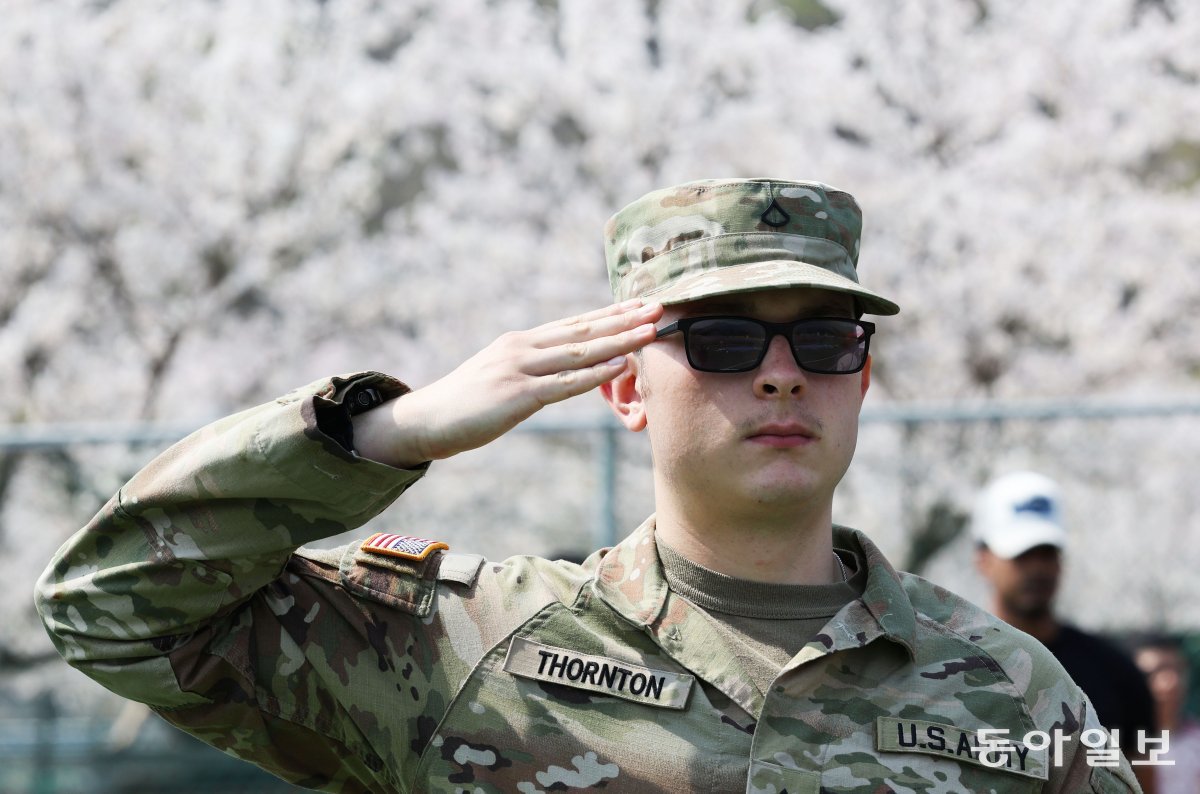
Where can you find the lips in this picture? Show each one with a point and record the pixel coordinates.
(782, 434)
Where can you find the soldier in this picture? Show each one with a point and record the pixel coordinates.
(736, 641)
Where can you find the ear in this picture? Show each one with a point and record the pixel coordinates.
(624, 395)
(866, 376)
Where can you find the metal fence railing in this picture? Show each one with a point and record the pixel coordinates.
(35, 437)
(53, 753)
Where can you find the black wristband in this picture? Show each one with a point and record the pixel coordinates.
(334, 417)
(360, 399)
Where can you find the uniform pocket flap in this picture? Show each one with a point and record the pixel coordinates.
(399, 582)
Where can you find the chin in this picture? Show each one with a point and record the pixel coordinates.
(788, 493)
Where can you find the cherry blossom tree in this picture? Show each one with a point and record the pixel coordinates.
(203, 205)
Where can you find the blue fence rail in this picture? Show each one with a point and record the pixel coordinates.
(54, 754)
(32, 437)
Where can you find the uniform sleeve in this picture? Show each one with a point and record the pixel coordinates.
(183, 592)
(1081, 772)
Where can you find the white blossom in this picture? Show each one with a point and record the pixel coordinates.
(203, 205)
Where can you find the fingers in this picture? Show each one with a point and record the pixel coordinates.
(573, 356)
(510, 379)
(589, 353)
(603, 322)
(595, 314)
(572, 382)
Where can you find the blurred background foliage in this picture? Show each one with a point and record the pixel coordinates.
(204, 204)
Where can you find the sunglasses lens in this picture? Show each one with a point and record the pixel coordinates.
(725, 344)
(830, 347)
(737, 344)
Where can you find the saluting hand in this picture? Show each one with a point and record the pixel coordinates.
(504, 384)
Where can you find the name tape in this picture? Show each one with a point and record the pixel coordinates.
(539, 662)
(893, 735)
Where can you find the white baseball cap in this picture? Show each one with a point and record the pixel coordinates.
(1017, 512)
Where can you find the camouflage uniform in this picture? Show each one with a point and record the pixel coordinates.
(350, 670)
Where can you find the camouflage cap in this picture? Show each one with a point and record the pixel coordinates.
(722, 236)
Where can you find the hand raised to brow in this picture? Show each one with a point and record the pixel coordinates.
(504, 384)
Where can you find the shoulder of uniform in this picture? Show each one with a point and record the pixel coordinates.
(1105, 780)
(400, 571)
(536, 578)
(406, 572)
(563, 579)
(1037, 675)
(935, 603)
(1024, 673)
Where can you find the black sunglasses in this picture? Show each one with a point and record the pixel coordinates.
(821, 345)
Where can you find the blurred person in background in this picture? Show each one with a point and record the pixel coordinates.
(737, 641)
(1166, 668)
(1017, 523)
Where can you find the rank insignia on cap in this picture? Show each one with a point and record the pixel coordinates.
(405, 546)
(775, 215)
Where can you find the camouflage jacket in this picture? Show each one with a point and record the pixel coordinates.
(354, 671)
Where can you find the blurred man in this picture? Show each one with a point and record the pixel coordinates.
(736, 641)
(1166, 669)
(1018, 525)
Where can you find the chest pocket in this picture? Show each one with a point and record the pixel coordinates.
(946, 758)
(767, 778)
(581, 700)
(407, 585)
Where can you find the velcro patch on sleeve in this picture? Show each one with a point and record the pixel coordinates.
(404, 546)
(664, 688)
(990, 748)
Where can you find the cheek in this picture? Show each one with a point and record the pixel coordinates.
(683, 420)
(1005, 576)
(839, 412)
(846, 427)
(677, 413)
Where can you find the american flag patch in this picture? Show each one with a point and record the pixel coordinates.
(405, 546)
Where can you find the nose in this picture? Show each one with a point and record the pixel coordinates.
(778, 375)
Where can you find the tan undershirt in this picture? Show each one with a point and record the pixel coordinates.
(768, 622)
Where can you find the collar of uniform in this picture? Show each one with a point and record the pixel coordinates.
(630, 577)
(884, 595)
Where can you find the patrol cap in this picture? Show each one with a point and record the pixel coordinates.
(724, 236)
(1017, 512)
